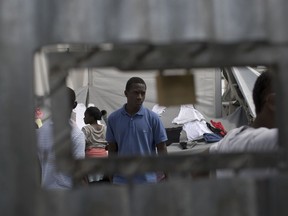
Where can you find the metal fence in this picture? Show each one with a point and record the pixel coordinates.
(145, 34)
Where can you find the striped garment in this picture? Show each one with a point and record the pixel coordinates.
(51, 177)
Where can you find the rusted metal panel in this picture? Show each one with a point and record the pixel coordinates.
(282, 103)
(276, 13)
(162, 21)
(178, 163)
(18, 156)
(207, 197)
(176, 197)
(156, 57)
(94, 200)
(277, 192)
(26, 26)
(237, 20)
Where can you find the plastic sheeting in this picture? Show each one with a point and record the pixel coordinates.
(106, 91)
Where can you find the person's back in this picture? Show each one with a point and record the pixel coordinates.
(95, 133)
(248, 139)
(261, 136)
(52, 178)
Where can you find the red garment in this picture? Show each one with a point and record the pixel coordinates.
(38, 113)
(219, 126)
(96, 152)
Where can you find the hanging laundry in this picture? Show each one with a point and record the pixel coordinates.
(188, 114)
(158, 109)
(195, 129)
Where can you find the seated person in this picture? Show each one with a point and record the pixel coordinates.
(261, 135)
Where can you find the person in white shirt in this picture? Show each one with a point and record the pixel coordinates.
(260, 136)
(52, 178)
(96, 143)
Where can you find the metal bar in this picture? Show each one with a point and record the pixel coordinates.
(18, 158)
(26, 26)
(180, 163)
(61, 127)
(218, 93)
(162, 21)
(281, 99)
(181, 56)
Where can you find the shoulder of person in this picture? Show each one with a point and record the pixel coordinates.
(86, 127)
(214, 148)
(151, 113)
(265, 134)
(260, 133)
(115, 113)
(76, 132)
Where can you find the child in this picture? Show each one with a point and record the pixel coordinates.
(95, 134)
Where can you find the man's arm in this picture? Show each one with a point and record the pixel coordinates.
(112, 151)
(161, 148)
(112, 148)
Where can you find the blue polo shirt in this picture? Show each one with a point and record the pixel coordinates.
(135, 135)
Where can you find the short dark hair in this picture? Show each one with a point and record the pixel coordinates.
(71, 97)
(262, 87)
(95, 112)
(134, 80)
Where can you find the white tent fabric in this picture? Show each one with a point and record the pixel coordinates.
(104, 88)
(106, 91)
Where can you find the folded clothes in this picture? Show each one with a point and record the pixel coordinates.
(211, 137)
(158, 109)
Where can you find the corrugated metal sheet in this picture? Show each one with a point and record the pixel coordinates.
(232, 31)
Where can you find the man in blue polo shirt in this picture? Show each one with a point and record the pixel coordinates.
(135, 130)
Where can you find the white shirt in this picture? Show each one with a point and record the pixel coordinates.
(51, 177)
(247, 139)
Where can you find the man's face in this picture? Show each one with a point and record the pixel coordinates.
(136, 95)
